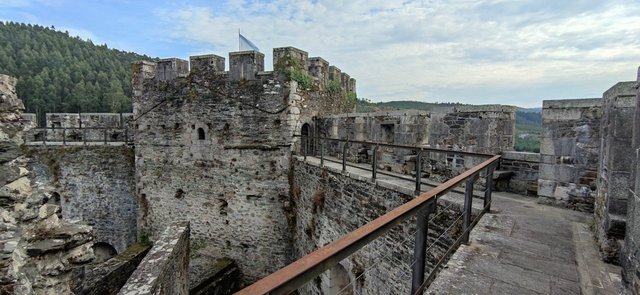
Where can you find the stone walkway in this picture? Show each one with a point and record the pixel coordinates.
(522, 247)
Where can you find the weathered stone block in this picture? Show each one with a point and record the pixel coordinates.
(546, 188)
(8, 174)
(9, 150)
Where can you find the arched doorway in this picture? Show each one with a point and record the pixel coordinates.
(307, 139)
(103, 252)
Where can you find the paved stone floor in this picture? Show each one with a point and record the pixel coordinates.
(522, 247)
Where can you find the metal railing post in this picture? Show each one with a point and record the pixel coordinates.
(344, 155)
(64, 136)
(418, 173)
(468, 202)
(105, 136)
(305, 143)
(44, 136)
(374, 163)
(488, 189)
(321, 152)
(126, 135)
(84, 136)
(419, 249)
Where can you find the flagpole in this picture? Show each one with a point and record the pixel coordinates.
(239, 41)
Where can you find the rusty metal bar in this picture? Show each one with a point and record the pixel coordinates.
(488, 188)
(344, 155)
(321, 152)
(374, 163)
(455, 245)
(418, 174)
(468, 203)
(420, 246)
(308, 267)
(411, 147)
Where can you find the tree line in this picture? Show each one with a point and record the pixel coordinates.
(60, 73)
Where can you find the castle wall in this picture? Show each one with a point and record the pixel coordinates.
(483, 129)
(525, 169)
(614, 169)
(569, 147)
(88, 120)
(630, 257)
(218, 146)
(329, 204)
(93, 184)
(165, 270)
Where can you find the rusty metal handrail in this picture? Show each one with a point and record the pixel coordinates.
(64, 138)
(306, 268)
(402, 146)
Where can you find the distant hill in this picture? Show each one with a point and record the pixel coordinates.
(530, 110)
(528, 121)
(60, 73)
(365, 106)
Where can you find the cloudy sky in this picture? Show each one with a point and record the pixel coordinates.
(471, 51)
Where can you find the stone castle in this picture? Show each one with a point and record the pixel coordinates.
(207, 168)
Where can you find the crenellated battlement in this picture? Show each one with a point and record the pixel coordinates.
(249, 65)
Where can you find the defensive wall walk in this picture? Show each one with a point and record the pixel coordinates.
(519, 247)
(522, 247)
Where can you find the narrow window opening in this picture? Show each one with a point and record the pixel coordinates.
(201, 134)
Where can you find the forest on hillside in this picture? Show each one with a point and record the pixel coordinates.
(60, 73)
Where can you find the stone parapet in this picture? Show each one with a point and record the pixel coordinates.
(164, 270)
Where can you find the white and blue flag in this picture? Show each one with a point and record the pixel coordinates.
(245, 44)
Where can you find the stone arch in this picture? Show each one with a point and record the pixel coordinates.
(201, 135)
(339, 280)
(103, 252)
(307, 139)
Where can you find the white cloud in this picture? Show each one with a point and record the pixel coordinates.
(463, 50)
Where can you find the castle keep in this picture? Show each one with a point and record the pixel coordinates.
(218, 170)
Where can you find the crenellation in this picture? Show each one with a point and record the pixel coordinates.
(351, 86)
(207, 62)
(344, 81)
(335, 74)
(300, 57)
(319, 70)
(245, 65)
(170, 68)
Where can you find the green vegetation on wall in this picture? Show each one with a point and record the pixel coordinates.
(60, 73)
(293, 70)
